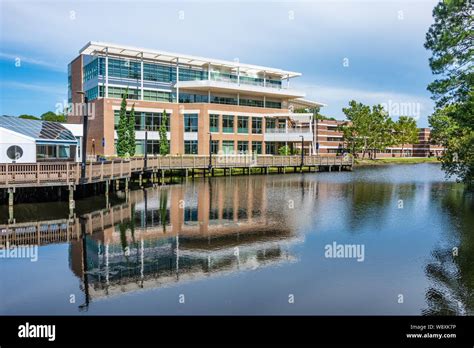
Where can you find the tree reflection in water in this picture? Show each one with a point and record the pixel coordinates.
(451, 268)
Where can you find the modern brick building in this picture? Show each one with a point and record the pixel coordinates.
(330, 140)
(425, 146)
(246, 108)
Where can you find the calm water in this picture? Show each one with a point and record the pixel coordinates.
(252, 245)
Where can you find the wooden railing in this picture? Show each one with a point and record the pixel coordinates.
(63, 230)
(67, 173)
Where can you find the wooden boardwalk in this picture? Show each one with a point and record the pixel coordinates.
(69, 174)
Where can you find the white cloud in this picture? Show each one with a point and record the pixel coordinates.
(57, 89)
(337, 96)
(22, 59)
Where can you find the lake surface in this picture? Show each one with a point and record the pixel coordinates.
(393, 239)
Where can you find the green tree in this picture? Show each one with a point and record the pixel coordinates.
(458, 141)
(53, 117)
(356, 131)
(380, 130)
(164, 144)
(122, 129)
(405, 131)
(451, 41)
(29, 117)
(131, 132)
(367, 130)
(284, 150)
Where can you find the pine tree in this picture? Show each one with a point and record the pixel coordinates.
(450, 39)
(131, 132)
(406, 131)
(122, 131)
(164, 145)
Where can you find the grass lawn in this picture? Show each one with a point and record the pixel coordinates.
(396, 160)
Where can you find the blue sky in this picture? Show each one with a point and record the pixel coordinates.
(370, 51)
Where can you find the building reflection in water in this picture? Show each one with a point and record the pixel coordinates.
(180, 233)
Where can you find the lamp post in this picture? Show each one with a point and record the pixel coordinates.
(210, 151)
(317, 136)
(84, 137)
(302, 151)
(146, 147)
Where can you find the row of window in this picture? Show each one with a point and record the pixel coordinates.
(90, 70)
(130, 69)
(191, 147)
(145, 120)
(160, 96)
(131, 93)
(152, 121)
(242, 124)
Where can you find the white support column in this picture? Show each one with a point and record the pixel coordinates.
(209, 96)
(238, 75)
(288, 81)
(209, 71)
(264, 79)
(141, 81)
(177, 80)
(106, 72)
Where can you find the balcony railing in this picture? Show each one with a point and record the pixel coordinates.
(243, 81)
(288, 130)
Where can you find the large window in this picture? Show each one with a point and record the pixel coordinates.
(270, 123)
(188, 74)
(153, 147)
(223, 100)
(50, 151)
(251, 102)
(273, 104)
(271, 148)
(156, 95)
(190, 122)
(157, 72)
(242, 124)
(227, 123)
(118, 92)
(150, 121)
(191, 147)
(256, 125)
(92, 93)
(257, 81)
(243, 146)
(228, 146)
(124, 68)
(215, 146)
(273, 83)
(139, 147)
(90, 70)
(257, 147)
(192, 98)
(214, 123)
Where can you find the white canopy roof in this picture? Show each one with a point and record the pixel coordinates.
(93, 47)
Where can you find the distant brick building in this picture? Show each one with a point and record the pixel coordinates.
(329, 140)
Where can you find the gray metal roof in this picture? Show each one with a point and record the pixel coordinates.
(36, 129)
